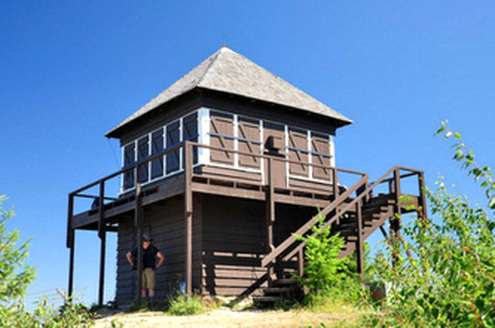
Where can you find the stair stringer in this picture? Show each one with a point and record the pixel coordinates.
(350, 245)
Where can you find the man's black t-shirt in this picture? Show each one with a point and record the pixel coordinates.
(149, 256)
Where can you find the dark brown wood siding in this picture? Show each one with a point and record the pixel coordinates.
(159, 117)
(164, 221)
(267, 112)
(233, 241)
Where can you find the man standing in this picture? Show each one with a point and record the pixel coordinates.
(150, 254)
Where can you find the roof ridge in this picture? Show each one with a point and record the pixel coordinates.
(212, 62)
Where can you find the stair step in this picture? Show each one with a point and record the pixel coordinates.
(286, 282)
(347, 233)
(269, 291)
(345, 225)
(378, 210)
(267, 299)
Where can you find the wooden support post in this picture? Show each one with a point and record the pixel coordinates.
(138, 225)
(397, 187)
(359, 241)
(71, 267)
(270, 216)
(335, 183)
(395, 222)
(422, 198)
(300, 262)
(71, 236)
(188, 211)
(384, 233)
(102, 236)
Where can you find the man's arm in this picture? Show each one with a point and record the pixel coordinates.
(129, 258)
(161, 258)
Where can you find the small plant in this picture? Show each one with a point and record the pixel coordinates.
(324, 269)
(326, 276)
(135, 307)
(184, 305)
(116, 324)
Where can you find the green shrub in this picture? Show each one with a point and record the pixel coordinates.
(16, 276)
(184, 305)
(449, 281)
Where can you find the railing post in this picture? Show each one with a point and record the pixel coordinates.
(188, 210)
(270, 215)
(300, 262)
(422, 198)
(102, 236)
(71, 236)
(138, 225)
(335, 183)
(359, 241)
(397, 186)
(395, 222)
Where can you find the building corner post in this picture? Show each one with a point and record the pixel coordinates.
(270, 217)
(71, 235)
(138, 225)
(360, 245)
(188, 213)
(102, 236)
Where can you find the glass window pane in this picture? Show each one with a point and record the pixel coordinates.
(143, 152)
(173, 138)
(190, 132)
(156, 147)
(129, 156)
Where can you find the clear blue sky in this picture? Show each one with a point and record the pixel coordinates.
(72, 70)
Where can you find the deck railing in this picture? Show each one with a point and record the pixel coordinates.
(266, 175)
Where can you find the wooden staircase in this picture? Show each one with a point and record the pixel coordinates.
(286, 289)
(374, 213)
(354, 218)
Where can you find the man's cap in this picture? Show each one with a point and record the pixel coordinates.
(147, 238)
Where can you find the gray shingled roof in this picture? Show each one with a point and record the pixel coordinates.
(230, 72)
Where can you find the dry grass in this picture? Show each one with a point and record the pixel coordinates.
(223, 318)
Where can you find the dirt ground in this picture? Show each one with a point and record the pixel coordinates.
(223, 318)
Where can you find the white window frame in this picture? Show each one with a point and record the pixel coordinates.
(165, 145)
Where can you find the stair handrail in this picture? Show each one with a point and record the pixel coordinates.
(308, 225)
(366, 192)
(329, 222)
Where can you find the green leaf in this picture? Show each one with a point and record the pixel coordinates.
(442, 128)
(491, 204)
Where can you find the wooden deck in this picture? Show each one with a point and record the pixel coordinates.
(204, 185)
